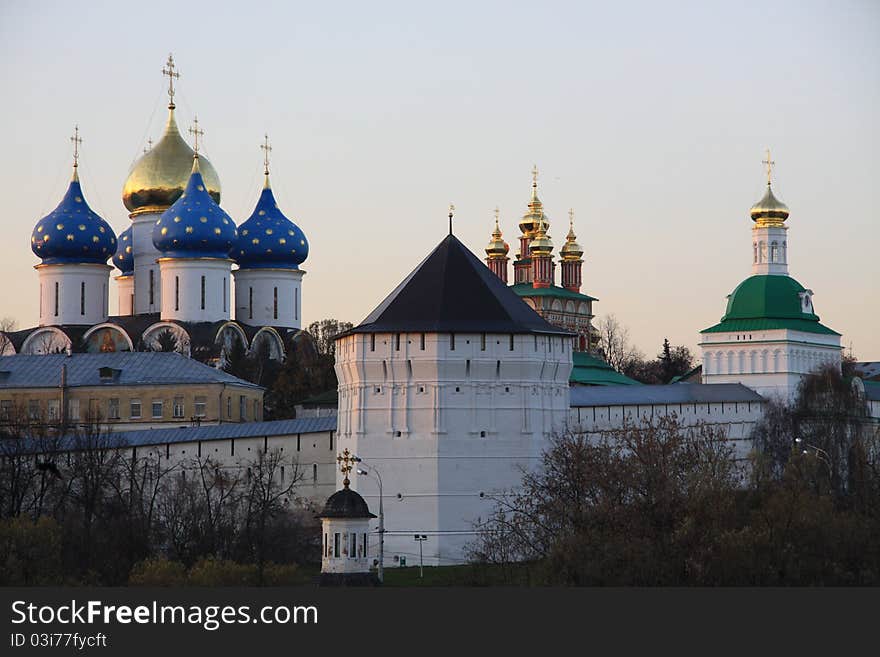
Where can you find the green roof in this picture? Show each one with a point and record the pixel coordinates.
(526, 290)
(588, 370)
(768, 302)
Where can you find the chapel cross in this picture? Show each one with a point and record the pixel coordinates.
(451, 212)
(345, 461)
(770, 163)
(172, 74)
(76, 142)
(266, 150)
(196, 132)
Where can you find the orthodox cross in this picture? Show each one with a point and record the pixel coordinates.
(346, 461)
(196, 132)
(172, 74)
(497, 212)
(571, 217)
(451, 212)
(266, 150)
(769, 164)
(76, 140)
(535, 176)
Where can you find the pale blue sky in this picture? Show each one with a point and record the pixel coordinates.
(650, 119)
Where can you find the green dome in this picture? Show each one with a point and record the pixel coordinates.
(767, 296)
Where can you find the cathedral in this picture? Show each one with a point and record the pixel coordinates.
(174, 263)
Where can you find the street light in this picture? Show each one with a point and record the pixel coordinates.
(420, 538)
(366, 473)
(821, 454)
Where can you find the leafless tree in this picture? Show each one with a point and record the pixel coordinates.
(614, 344)
(7, 326)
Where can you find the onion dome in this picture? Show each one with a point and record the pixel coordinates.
(541, 244)
(195, 226)
(530, 220)
(124, 258)
(159, 177)
(571, 250)
(268, 239)
(497, 248)
(73, 232)
(769, 211)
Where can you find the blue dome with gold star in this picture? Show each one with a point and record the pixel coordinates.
(195, 226)
(124, 258)
(73, 232)
(268, 239)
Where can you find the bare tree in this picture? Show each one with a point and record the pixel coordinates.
(614, 344)
(7, 326)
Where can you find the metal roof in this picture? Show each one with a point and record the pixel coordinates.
(677, 393)
(130, 368)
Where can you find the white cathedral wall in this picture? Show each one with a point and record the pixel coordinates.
(445, 428)
(125, 291)
(268, 297)
(147, 278)
(195, 289)
(771, 362)
(73, 293)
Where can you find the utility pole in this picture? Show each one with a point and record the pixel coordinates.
(421, 538)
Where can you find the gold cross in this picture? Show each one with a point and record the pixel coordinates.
(769, 164)
(345, 461)
(571, 217)
(451, 212)
(76, 142)
(535, 176)
(171, 73)
(266, 150)
(197, 132)
(497, 212)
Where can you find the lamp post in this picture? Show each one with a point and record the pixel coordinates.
(420, 538)
(821, 454)
(381, 570)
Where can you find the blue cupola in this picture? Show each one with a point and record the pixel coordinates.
(73, 232)
(124, 258)
(268, 239)
(195, 226)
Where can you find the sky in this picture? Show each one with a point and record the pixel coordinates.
(649, 119)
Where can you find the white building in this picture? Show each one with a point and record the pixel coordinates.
(446, 390)
(770, 335)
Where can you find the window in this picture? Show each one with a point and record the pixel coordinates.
(275, 302)
(256, 409)
(178, 407)
(5, 409)
(372, 342)
(82, 298)
(250, 303)
(200, 403)
(296, 303)
(482, 342)
(511, 342)
(134, 409)
(422, 342)
(224, 294)
(336, 544)
(397, 342)
(157, 408)
(229, 407)
(452, 342)
(152, 285)
(203, 292)
(176, 293)
(315, 473)
(73, 409)
(242, 408)
(56, 298)
(34, 408)
(53, 408)
(113, 408)
(352, 547)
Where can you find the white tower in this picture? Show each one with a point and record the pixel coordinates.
(74, 244)
(269, 250)
(448, 388)
(770, 336)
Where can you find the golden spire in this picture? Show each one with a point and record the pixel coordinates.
(76, 140)
(266, 150)
(168, 70)
(345, 461)
(497, 247)
(770, 163)
(571, 250)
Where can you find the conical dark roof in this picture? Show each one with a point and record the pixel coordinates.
(452, 291)
(345, 503)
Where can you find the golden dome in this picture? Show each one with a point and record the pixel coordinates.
(497, 247)
(160, 176)
(541, 244)
(530, 220)
(769, 211)
(571, 250)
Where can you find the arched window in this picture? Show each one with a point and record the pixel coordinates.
(755, 252)
(762, 252)
(774, 252)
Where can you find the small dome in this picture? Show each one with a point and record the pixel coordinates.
(268, 239)
(768, 297)
(571, 250)
(195, 226)
(346, 503)
(73, 232)
(541, 245)
(497, 247)
(159, 177)
(531, 219)
(769, 210)
(124, 258)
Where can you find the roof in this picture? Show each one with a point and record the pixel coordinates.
(769, 301)
(695, 372)
(678, 393)
(526, 290)
(591, 371)
(345, 503)
(452, 291)
(868, 369)
(142, 437)
(128, 369)
(872, 390)
(268, 239)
